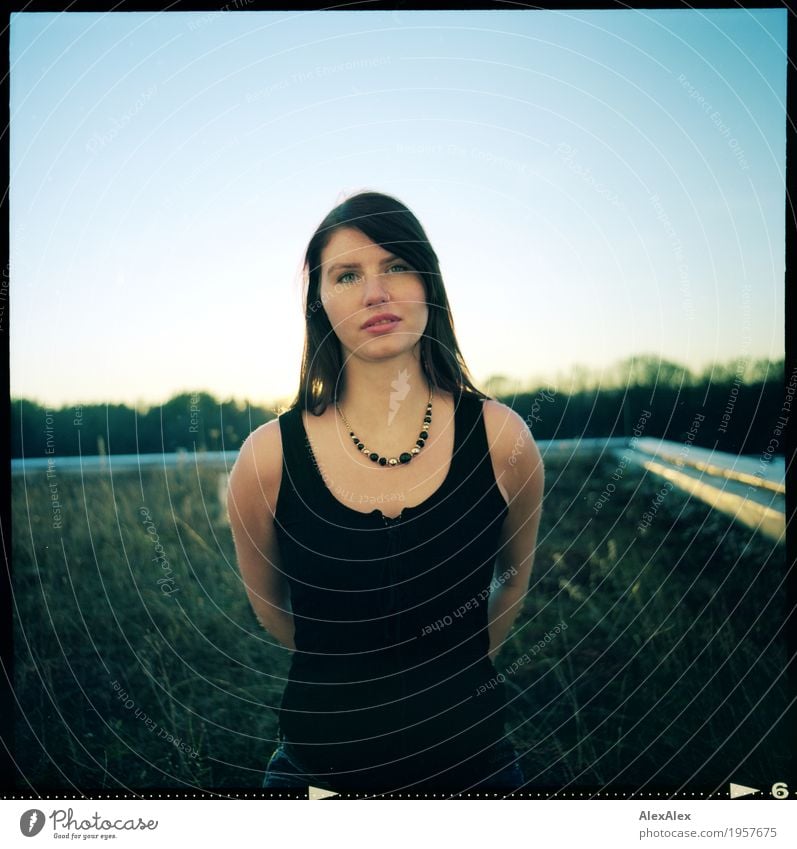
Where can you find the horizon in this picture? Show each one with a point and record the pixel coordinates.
(581, 379)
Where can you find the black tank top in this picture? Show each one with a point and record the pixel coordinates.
(385, 687)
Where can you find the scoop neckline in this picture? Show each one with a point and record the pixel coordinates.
(404, 510)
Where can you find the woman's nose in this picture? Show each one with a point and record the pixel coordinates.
(374, 289)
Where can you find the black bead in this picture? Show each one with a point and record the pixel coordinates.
(420, 443)
(427, 420)
(373, 457)
(383, 461)
(424, 434)
(360, 445)
(405, 458)
(351, 433)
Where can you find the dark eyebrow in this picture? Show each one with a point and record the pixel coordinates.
(332, 268)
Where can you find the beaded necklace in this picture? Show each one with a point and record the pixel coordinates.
(406, 456)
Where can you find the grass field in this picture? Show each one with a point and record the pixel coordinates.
(139, 664)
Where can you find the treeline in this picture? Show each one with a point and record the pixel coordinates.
(190, 421)
(733, 407)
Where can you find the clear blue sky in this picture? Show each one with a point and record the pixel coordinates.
(596, 184)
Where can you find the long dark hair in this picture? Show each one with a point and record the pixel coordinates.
(388, 223)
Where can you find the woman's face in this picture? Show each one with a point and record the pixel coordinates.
(360, 280)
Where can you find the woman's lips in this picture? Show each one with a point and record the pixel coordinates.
(382, 328)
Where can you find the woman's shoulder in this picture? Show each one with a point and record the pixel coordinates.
(507, 430)
(501, 419)
(269, 433)
(259, 462)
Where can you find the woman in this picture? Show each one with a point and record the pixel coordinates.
(385, 526)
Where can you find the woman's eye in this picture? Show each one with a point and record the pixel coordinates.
(399, 265)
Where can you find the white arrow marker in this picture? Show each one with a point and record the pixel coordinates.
(740, 790)
(319, 793)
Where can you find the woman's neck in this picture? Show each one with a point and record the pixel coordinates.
(384, 399)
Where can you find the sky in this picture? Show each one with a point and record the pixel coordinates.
(595, 184)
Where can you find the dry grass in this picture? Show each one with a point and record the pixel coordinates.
(672, 639)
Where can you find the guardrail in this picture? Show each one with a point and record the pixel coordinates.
(751, 489)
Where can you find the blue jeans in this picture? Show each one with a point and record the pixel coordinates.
(284, 770)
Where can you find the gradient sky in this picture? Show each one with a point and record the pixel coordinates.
(595, 184)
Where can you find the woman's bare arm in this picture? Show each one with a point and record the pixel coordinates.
(251, 501)
(521, 473)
